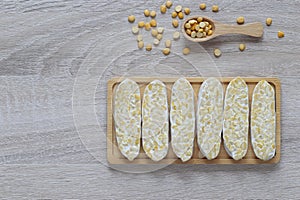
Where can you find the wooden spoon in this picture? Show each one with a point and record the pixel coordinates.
(252, 29)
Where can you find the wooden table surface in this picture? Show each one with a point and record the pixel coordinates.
(55, 60)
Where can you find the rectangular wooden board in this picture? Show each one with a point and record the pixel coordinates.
(114, 156)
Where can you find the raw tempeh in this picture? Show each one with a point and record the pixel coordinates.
(210, 117)
(263, 121)
(127, 118)
(182, 118)
(155, 119)
(236, 123)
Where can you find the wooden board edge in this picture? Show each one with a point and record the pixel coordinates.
(142, 79)
(144, 161)
(278, 118)
(109, 132)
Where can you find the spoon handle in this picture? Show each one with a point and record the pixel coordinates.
(252, 29)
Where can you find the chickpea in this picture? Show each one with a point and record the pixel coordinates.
(174, 14)
(178, 8)
(166, 51)
(186, 51)
(217, 52)
(269, 21)
(180, 15)
(242, 47)
(141, 24)
(169, 4)
(153, 23)
(140, 44)
(131, 18)
(159, 36)
(153, 14)
(156, 41)
(148, 47)
(240, 20)
(187, 11)
(135, 30)
(168, 43)
(280, 34)
(215, 8)
(147, 26)
(154, 32)
(176, 35)
(163, 9)
(175, 23)
(146, 13)
(202, 6)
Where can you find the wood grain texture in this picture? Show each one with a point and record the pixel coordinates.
(55, 60)
(114, 155)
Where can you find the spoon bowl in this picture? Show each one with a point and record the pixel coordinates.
(252, 29)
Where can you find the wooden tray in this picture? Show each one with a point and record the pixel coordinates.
(114, 156)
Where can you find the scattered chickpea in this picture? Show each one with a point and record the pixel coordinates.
(148, 47)
(139, 38)
(141, 24)
(135, 30)
(242, 47)
(187, 11)
(140, 44)
(174, 14)
(163, 9)
(180, 15)
(159, 36)
(176, 35)
(160, 29)
(166, 51)
(178, 8)
(156, 41)
(215, 8)
(169, 4)
(269, 21)
(147, 26)
(152, 14)
(153, 23)
(217, 52)
(186, 51)
(146, 13)
(240, 20)
(131, 18)
(202, 6)
(168, 43)
(280, 34)
(175, 23)
(154, 32)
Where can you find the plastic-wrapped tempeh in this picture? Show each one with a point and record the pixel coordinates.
(263, 121)
(182, 118)
(210, 117)
(127, 118)
(155, 120)
(236, 122)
